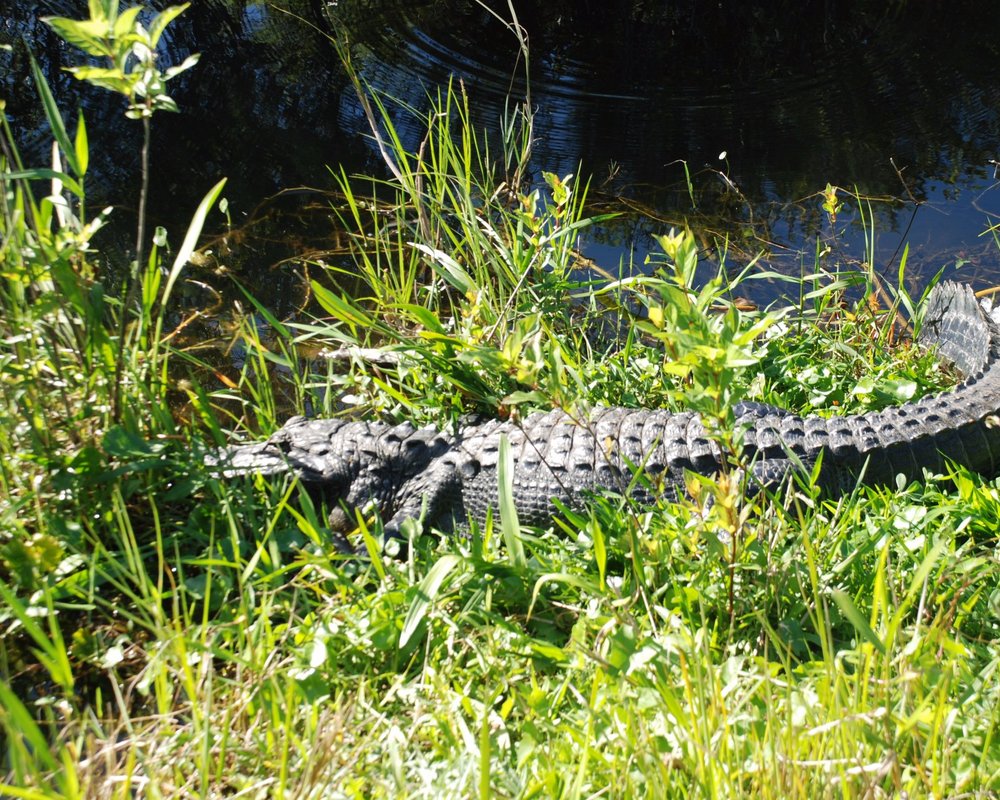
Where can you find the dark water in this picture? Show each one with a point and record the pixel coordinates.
(898, 101)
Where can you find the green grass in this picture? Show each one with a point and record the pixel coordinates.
(165, 634)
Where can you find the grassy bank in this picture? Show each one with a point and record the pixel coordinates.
(166, 634)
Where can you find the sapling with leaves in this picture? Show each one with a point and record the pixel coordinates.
(707, 344)
(129, 50)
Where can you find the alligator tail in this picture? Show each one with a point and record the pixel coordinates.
(955, 324)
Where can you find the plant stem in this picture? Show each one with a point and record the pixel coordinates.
(143, 194)
(133, 276)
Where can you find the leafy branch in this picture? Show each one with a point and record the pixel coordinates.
(130, 47)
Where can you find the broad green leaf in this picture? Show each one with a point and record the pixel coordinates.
(102, 9)
(80, 147)
(675, 368)
(124, 444)
(54, 117)
(144, 55)
(161, 20)
(427, 591)
(191, 238)
(901, 390)
(622, 645)
(89, 35)
(186, 64)
(105, 78)
(125, 24)
(520, 397)
(164, 102)
(548, 650)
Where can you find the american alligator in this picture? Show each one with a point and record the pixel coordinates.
(452, 477)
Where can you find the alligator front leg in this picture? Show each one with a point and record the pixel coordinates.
(434, 496)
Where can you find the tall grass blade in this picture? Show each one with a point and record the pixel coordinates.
(857, 619)
(509, 525)
(426, 593)
(191, 238)
(55, 118)
(52, 651)
(26, 744)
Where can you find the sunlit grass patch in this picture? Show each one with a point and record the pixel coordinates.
(168, 634)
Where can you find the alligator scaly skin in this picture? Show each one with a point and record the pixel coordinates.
(403, 469)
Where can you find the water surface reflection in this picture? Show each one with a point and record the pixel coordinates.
(895, 101)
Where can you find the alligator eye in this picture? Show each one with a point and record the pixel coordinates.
(470, 469)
